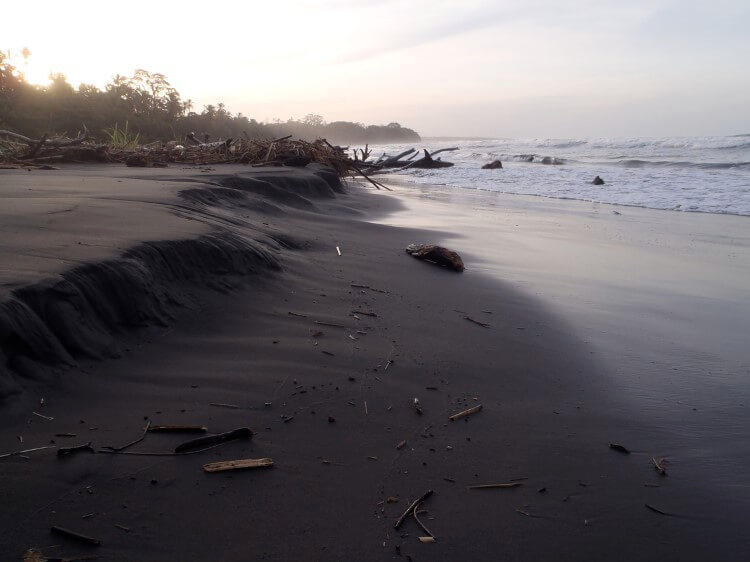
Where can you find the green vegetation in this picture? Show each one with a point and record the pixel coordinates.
(151, 110)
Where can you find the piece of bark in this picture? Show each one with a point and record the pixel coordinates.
(239, 464)
(465, 413)
(239, 433)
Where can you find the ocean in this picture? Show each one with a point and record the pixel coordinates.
(695, 174)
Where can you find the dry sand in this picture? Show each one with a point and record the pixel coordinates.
(153, 294)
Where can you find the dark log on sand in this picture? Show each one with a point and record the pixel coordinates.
(437, 255)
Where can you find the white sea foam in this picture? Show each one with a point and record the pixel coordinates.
(705, 174)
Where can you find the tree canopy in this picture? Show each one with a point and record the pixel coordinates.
(152, 108)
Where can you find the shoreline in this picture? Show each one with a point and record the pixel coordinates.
(544, 419)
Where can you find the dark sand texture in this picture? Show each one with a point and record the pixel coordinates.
(211, 287)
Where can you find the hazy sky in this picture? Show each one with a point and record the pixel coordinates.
(529, 68)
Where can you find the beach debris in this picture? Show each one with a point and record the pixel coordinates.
(491, 486)
(68, 451)
(222, 405)
(660, 466)
(363, 313)
(437, 255)
(465, 413)
(48, 418)
(123, 528)
(494, 165)
(619, 448)
(477, 322)
(296, 314)
(200, 442)
(598, 181)
(401, 444)
(418, 406)
(338, 250)
(178, 429)
(328, 324)
(141, 438)
(240, 464)
(427, 539)
(24, 451)
(392, 499)
(411, 508)
(73, 535)
(542, 490)
(65, 435)
(656, 510)
(425, 529)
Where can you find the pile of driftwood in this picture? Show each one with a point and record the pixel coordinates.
(20, 150)
(403, 161)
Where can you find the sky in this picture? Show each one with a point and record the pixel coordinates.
(528, 69)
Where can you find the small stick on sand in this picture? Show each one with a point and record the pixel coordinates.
(295, 314)
(222, 405)
(141, 438)
(66, 451)
(48, 418)
(338, 250)
(73, 535)
(178, 429)
(427, 539)
(358, 286)
(465, 413)
(401, 445)
(477, 322)
(411, 508)
(240, 464)
(425, 529)
(363, 313)
(656, 510)
(488, 486)
(659, 466)
(240, 433)
(329, 324)
(14, 453)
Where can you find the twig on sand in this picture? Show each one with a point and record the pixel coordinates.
(239, 433)
(488, 486)
(296, 314)
(73, 535)
(239, 464)
(329, 324)
(411, 508)
(465, 413)
(417, 406)
(338, 250)
(660, 466)
(477, 322)
(656, 510)
(67, 451)
(23, 452)
(414, 514)
(363, 313)
(48, 418)
(141, 438)
(178, 429)
(222, 405)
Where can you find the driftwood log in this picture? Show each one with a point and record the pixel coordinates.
(437, 255)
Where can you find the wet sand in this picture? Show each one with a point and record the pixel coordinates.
(329, 403)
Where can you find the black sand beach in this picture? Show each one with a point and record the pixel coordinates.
(218, 298)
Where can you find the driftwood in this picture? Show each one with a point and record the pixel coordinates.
(141, 438)
(222, 466)
(437, 255)
(464, 413)
(67, 451)
(177, 429)
(240, 433)
(411, 508)
(494, 165)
